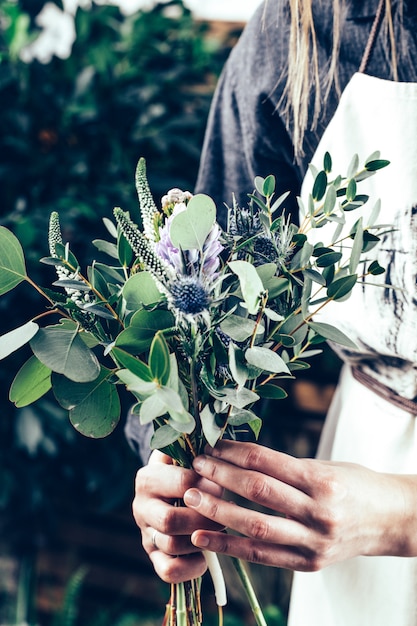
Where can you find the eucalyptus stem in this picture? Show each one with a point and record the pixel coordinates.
(249, 590)
(181, 613)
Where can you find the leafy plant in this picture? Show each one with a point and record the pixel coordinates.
(196, 323)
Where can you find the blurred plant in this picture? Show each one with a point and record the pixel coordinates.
(70, 135)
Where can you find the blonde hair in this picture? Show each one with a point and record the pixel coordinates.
(303, 75)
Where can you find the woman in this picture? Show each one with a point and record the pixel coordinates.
(291, 90)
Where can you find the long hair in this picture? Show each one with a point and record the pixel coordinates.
(303, 74)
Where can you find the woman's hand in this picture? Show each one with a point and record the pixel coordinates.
(328, 511)
(166, 527)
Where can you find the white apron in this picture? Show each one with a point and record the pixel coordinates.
(373, 114)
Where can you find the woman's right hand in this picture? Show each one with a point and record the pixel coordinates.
(166, 527)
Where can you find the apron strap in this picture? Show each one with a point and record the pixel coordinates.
(372, 36)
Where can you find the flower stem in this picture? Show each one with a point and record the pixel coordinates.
(250, 592)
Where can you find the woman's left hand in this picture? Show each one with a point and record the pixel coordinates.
(327, 511)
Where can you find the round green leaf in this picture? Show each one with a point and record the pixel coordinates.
(140, 290)
(138, 337)
(94, 407)
(31, 382)
(62, 350)
(12, 261)
(190, 228)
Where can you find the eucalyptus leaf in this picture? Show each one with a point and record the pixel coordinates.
(164, 436)
(250, 284)
(12, 261)
(159, 362)
(61, 349)
(332, 334)
(266, 359)
(107, 247)
(190, 228)
(341, 287)
(94, 407)
(15, 339)
(141, 388)
(140, 290)
(319, 186)
(152, 407)
(31, 382)
(211, 430)
(237, 397)
(238, 328)
(271, 391)
(134, 365)
(138, 337)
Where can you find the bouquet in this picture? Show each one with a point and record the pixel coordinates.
(197, 323)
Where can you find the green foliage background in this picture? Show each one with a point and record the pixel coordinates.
(71, 132)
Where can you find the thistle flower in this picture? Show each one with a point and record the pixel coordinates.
(243, 222)
(190, 299)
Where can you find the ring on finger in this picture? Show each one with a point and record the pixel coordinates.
(155, 545)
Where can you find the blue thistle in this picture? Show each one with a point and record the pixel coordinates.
(189, 296)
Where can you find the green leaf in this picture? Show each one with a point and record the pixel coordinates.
(266, 360)
(327, 162)
(163, 437)
(159, 362)
(190, 228)
(250, 284)
(268, 186)
(152, 407)
(375, 268)
(94, 407)
(15, 339)
(330, 200)
(237, 397)
(62, 350)
(138, 337)
(12, 261)
(237, 365)
(320, 185)
(140, 290)
(356, 252)
(332, 334)
(377, 164)
(108, 248)
(131, 363)
(139, 387)
(211, 430)
(31, 382)
(271, 391)
(351, 190)
(330, 258)
(342, 287)
(238, 328)
(124, 251)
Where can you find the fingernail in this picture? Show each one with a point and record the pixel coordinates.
(192, 497)
(201, 541)
(198, 463)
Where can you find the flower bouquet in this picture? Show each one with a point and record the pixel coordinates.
(197, 323)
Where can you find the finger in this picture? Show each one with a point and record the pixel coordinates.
(255, 551)
(169, 481)
(299, 473)
(168, 519)
(255, 486)
(170, 545)
(174, 569)
(265, 528)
